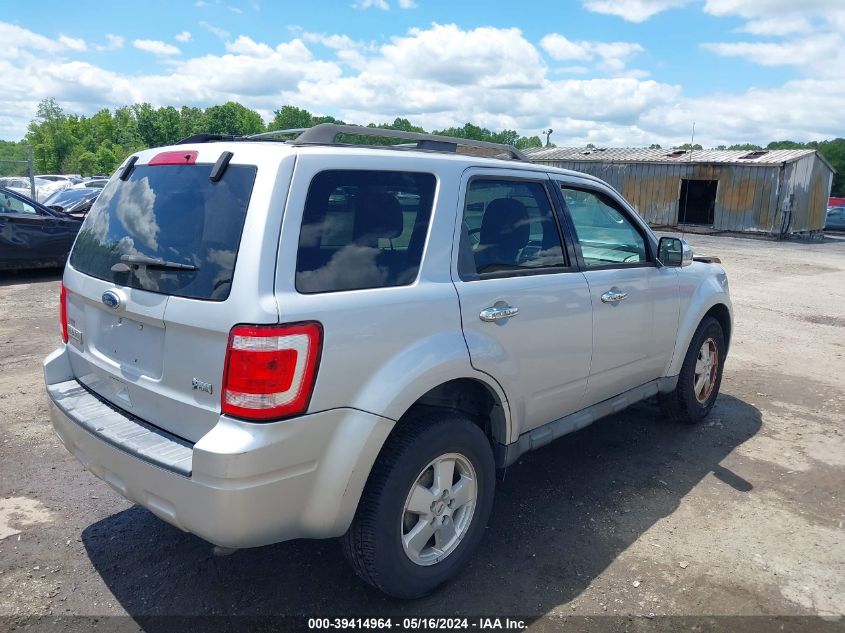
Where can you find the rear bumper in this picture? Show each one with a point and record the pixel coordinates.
(244, 485)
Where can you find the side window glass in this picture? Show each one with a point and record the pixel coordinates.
(508, 226)
(10, 204)
(363, 229)
(606, 236)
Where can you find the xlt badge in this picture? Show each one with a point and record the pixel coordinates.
(201, 385)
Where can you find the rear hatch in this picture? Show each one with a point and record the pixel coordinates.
(149, 290)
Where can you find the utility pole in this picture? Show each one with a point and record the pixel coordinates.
(31, 176)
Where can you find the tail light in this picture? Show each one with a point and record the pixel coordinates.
(270, 370)
(63, 311)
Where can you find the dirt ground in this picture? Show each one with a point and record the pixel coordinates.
(742, 515)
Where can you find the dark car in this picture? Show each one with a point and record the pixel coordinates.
(73, 201)
(32, 235)
(835, 220)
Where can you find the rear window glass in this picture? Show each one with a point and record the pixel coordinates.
(174, 215)
(363, 229)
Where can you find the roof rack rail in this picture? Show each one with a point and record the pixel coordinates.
(208, 138)
(327, 133)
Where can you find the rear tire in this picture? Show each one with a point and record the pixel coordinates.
(700, 377)
(425, 506)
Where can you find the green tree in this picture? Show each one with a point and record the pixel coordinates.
(785, 145)
(106, 160)
(87, 163)
(290, 117)
(191, 121)
(233, 118)
(527, 142)
(834, 152)
(49, 135)
(750, 147)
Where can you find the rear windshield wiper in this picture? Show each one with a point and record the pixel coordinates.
(151, 262)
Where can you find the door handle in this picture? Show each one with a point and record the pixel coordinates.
(495, 313)
(612, 296)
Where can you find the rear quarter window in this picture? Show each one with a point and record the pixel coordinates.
(172, 213)
(363, 229)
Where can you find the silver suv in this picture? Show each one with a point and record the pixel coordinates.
(267, 339)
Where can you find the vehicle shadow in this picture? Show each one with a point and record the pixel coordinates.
(562, 515)
(41, 275)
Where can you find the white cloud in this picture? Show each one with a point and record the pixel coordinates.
(822, 54)
(156, 47)
(632, 10)
(446, 54)
(777, 26)
(184, 36)
(235, 10)
(781, 17)
(16, 40)
(439, 77)
(113, 43)
(367, 4)
(612, 56)
(810, 32)
(73, 43)
(407, 4)
(223, 34)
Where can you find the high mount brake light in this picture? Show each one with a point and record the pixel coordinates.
(270, 370)
(186, 157)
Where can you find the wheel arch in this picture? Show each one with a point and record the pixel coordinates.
(719, 307)
(722, 314)
(480, 401)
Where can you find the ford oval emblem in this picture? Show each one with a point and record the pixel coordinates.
(111, 299)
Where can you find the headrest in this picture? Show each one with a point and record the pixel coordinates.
(379, 215)
(505, 221)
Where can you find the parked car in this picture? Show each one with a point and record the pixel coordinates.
(43, 188)
(92, 183)
(31, 235)
(70, 179)
(835, 219)
(266, 341)
(73, 201)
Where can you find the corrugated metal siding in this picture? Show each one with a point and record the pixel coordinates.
(665, 156)
(807, 183)
(745, 196)
(748, 197)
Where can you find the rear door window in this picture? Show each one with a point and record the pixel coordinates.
(167, 229)
(363, 229)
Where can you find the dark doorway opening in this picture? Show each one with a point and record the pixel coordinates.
(698, 201)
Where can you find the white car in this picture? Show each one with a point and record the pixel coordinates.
(43, 188)
(93, 183)
(69, 178)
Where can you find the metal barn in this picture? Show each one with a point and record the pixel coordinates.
(779, 192)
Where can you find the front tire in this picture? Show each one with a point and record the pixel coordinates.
(700, 377)
(425, 506)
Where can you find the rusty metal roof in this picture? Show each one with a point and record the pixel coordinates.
(637, 155)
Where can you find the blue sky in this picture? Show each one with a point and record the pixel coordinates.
(610, 72)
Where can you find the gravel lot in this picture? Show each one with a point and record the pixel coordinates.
(742, 515)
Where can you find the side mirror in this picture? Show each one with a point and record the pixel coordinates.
(674, 252)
